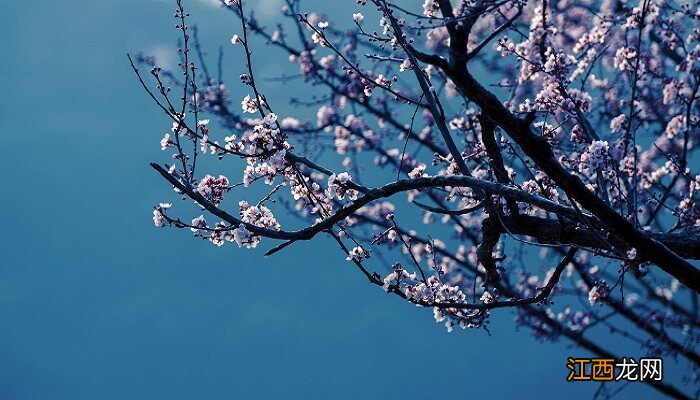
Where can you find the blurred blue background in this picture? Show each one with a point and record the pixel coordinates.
(96, 303)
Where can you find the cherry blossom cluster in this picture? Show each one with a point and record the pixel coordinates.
(466, 156)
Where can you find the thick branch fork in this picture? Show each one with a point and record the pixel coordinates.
(540, 151)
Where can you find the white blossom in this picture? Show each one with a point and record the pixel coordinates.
(596, 155)
(248, 105)
(618, 123)
(598, 292)
(165, 142)
(158, 215)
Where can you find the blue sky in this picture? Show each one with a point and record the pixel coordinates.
(95, 303)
